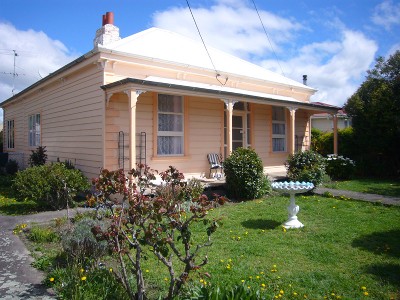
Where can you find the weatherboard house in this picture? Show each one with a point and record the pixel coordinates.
(156, 97)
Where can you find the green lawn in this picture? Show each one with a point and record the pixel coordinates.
(371, 186)
(344, 246)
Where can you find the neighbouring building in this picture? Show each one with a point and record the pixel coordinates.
(325, 121)
(155, 98)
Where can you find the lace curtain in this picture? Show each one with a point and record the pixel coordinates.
(170, 125)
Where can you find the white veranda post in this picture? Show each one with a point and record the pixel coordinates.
(133, 96)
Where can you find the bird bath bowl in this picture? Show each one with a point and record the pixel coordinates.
(293, 188)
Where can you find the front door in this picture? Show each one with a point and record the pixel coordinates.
(238, 131)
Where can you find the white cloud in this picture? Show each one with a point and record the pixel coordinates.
(335, 67)
(38, 55)
(231, 26)
(387, 14)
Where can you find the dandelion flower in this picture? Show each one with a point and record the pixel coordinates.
(263, 285)
(81, 270)
(366, 293)
(294, 294)
(243, 280)
(51, 279)
(110, 270)
(83, 278)
(363, 288)
(281, 292)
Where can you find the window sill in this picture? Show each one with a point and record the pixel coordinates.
(169, 158)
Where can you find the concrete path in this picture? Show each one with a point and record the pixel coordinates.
(18, 279)
(360, 196)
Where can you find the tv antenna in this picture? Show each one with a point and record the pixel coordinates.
(14, 74)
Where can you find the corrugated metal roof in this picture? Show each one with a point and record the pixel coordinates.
(172, 47)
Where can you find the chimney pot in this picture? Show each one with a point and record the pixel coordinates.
(305, 79)
(103, 20)
(110, 18)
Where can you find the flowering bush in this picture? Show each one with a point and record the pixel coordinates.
(306, 166)
(160, 221)
(339, 167)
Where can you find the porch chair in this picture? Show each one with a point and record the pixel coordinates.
(215, 161)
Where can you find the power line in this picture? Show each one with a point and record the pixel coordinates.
(265, 31)
(204, 44)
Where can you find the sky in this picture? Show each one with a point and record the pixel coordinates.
(333, 42)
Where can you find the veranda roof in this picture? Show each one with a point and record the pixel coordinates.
(167, 85)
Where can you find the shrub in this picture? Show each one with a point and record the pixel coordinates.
(49, 185)
(194, 188)
(306, 166)
(3, 158)
(322, 142)
(244, 175)
(12, 167)
(38, 156)
(138, 219)
(339, 167)
(81, 245)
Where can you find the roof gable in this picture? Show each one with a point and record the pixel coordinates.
(172, 47)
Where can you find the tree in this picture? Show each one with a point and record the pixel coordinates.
(375, 111)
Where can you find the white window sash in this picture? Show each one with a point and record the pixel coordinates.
(178, 147)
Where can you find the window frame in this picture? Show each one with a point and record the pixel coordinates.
(10, 126)
(34, 130)
(276, 136)
(170, 133)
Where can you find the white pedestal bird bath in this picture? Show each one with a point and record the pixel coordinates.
(292, 188)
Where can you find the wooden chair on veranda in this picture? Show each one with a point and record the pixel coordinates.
(215, 162)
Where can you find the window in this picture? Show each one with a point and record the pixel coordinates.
(10, 134)
(170, 133)
(278, 129)
(34, 130)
